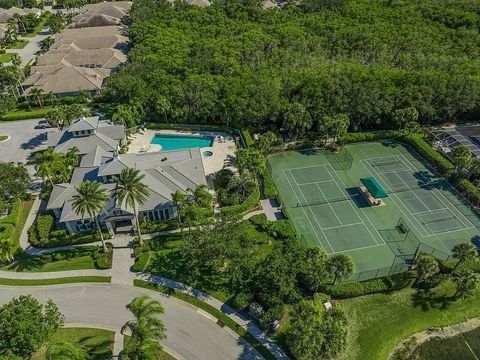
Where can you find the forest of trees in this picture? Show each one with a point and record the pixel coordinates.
(243, 65)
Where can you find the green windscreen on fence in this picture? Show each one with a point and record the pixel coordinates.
(374, 187)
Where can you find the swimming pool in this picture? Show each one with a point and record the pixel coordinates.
(177, 142)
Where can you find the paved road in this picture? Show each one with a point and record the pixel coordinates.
(190, 333)
(29, 52)
(24, 139)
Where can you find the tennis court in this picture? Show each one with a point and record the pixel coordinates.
(323, 201)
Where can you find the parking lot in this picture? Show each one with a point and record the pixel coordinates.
(24, 138)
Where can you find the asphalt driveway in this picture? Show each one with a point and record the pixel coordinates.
(24, 139)
(190, 333)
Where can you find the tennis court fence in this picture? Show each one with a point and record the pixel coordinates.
(341, 160)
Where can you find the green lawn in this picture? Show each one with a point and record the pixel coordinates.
(465, 346)
(5, 58)
(379, 322)
(27, 263)
(3, 138)
(67, 280)
(24, 212)
(26, 114)
(19, 44)
(98, 342)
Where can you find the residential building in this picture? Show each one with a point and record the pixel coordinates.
(164, 173)
(101, 14)
(7, 14)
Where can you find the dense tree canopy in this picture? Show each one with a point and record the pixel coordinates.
(297, 66)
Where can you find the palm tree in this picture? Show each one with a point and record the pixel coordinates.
(131, 191)
(463, 252)
(90, 200)
(72, 157)
(466, 282)
(5, 251)
(179, 199)
(340, 266)
(147, 329)
(37, 94)
(243, 182)
(201, 196)
(48, 163)
(66, 351)
(16, 60)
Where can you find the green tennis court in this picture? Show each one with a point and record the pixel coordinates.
(320, 192)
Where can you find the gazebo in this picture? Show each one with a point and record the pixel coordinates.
(372, 191)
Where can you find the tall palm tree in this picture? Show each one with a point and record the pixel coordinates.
(147, 329)
(5, 251)
(463, 252)
(72, 157)
(37, 94)
(179, 199)
(90, 200)
(66, 351)
(48, 163)
(201, 196)
(131, 192)
(340, 266)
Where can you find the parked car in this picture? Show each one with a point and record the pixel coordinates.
(43, 124)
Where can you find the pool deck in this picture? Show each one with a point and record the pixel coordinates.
(223, 146)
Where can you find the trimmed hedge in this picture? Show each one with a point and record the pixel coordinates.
(44, 226)
(389, 283)
(61, 238)
(470, 191)
(241, 209)
(141, 262)
(23, 115)
(269, 189)
(14, 215)
(148, 226)
(6, 231)
(247, 137)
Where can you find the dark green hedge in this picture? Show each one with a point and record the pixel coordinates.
(247, 137)
(269, 189)
(27, 114)
(389, 283)
(241, 209)
(14, 215)
(148, 226)
(61, 238)
(141, 262)
(470, 191)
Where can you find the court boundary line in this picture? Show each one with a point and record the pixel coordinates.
(325, 166)
(329, 204)
(304, 212)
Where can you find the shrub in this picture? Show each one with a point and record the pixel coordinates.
(282, 229)
(14, 215)
(33, 235)
(389, 283)
(269, 317)
(44, 226)
(242, 300)
(148, 226)
(259, 220)
(103, 262)
(241, 209)
(58, 233)
(141, 262)
(269, 189)
(470, 191)
(21, 115)
(247, 137)
(6, 231)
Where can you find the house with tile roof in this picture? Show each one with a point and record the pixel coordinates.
(98, 142)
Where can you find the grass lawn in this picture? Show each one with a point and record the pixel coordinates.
(379, 322)
(26, 114)
(27, 263)
(24, 212)
(98, 342)
(3, 138)
(465, 346)
(5, 58)
(19, 44)
(169, 263)
(68, 280)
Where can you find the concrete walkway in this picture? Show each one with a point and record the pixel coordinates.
(118, 345)
(217, 304)
(123, 260)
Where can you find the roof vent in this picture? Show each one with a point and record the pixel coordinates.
(82, 118)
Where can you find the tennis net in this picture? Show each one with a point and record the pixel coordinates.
(384, 163)
(326, 201)
(439, 220)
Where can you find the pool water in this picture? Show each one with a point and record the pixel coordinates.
(177, 142)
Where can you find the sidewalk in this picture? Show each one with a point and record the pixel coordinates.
(217, 304)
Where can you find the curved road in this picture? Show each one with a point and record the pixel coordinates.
(190, 333)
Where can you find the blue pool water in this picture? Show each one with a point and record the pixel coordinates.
(177, 142)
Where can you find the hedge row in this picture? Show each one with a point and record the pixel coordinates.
(247, 137)
(23, 115)
(269, 189)
(389, 283)
(14, 215)
(280, 229)
(61, 238)
(6, 231)
(244, 207)
(148, 226)
(470, 191)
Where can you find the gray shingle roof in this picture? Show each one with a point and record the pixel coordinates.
(83, 123)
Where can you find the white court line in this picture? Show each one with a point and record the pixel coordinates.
(341, 226)
(356, 212)
(360, 248)
(303, 209)
(304, 167)
(330, 205)
(369, 168)
(314, 182)
(430, 211)
(443, 199)
(446, 230)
